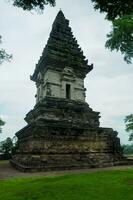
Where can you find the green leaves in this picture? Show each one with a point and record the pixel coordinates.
(2, 123)
(120, 12)
(7, 145)
(121, 37)
(37, 5)
(129, 126)
(114, 8)
(3, 55)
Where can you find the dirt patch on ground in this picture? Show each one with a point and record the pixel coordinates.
(7, 171)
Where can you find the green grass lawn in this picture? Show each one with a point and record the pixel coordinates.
(4, 161)
(108, 185)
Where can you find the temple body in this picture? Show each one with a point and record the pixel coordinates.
(63, 131)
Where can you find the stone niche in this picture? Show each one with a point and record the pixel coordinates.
(64, 84)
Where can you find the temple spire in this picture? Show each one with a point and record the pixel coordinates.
(60, 14)
(62, 50)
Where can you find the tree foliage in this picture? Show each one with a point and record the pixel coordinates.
(127, 149)
(2, 123)
(129, 126)
(7, 145)
(121, 37)
(6, 148)
(120, 12)
(3, 55)
(33, 4)
(114, 9)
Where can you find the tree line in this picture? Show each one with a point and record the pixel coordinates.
(6, 148)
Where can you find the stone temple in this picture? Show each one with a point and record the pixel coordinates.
(63, 132)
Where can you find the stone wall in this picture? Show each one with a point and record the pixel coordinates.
(64, 134)
(59, 152)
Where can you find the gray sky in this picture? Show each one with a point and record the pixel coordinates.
(109, 85)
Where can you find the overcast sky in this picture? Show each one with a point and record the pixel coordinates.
(109, 85)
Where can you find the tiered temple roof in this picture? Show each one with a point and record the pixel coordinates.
(62, 50)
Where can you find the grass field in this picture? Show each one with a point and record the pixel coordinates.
(4, 161)
(108, 185)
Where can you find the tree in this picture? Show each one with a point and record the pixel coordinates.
(2, 123)
(114, 9)
(7, 148)
(129, 126)
(33, 4)
(121, 37)
(3, 55)
(127, 149)
(120, 12)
